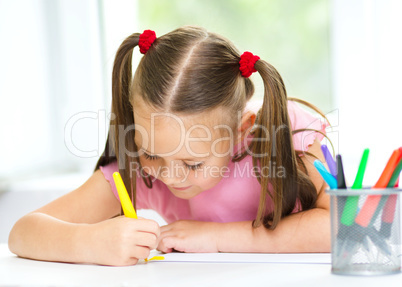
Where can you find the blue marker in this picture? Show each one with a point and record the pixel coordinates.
(329, 178)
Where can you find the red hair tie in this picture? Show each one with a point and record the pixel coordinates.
(146, 39)
(247, 62)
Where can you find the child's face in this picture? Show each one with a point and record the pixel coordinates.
(189, 154)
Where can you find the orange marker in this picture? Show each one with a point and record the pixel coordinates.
(372, 201)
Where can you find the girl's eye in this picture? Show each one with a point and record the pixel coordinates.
(189, 166)
(194, 167)
(150, 157)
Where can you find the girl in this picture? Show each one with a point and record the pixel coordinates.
(186, 145)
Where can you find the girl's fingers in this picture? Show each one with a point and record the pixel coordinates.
(165, 228)
(163, 247)
(147, 225)
(139, 252)
(146, 239)
(128, 262)
(169, 233)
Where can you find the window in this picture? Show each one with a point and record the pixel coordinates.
(291, 35)
(56, 63)
(57, 56)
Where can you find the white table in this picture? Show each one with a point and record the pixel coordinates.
(18, 271)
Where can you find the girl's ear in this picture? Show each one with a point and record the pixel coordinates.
(247, 122)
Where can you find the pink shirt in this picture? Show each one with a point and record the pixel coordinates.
(236, 196)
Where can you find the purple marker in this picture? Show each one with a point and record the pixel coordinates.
(330, 161)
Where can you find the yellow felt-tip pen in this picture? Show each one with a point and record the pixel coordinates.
(125, 201)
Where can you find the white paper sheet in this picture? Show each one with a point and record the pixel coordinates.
(299, 258)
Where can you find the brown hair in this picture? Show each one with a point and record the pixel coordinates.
(190, 70)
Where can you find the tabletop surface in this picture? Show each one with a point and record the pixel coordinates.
(24, 272)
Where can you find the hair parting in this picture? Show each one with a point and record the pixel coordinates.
(188, 71)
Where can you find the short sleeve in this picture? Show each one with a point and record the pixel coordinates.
(108, 171)
(300, 119)
(314, 127)
(141, 200)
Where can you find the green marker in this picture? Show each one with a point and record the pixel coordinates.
(349, 212)
(395, 175)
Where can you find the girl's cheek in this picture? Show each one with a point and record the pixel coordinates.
(205, 178)
(211, 174)
(209, 182)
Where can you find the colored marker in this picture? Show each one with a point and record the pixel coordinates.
(328, 158)
(341, 183)
(387, 206)
(370, 205)
(349, 212)
(388, 214)
(340, 174)
(348, 237)
(386, 200)
(358, 183)
(343, 231)
(157, 258)
(329, 178)
(380, 207)
(377, 237)
(125, 201)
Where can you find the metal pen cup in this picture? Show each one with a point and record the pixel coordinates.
(367, 243)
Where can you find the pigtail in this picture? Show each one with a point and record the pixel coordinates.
(273, 125)
(120, 144)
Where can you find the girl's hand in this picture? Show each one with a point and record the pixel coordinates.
(122, 241)
(189, 236)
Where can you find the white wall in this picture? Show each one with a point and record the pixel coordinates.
(51, 68)
(56, 60)
(367, 61)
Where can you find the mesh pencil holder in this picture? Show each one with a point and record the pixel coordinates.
(365, 231)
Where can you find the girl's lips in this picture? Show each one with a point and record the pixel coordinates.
(181, 188)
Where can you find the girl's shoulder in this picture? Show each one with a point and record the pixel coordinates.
(294, 109)
(306, 126)
(108, 171)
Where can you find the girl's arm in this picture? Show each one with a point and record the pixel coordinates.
(307, 231)
(77, 228)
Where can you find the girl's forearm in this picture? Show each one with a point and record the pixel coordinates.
(42, 237)
(307, 231)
